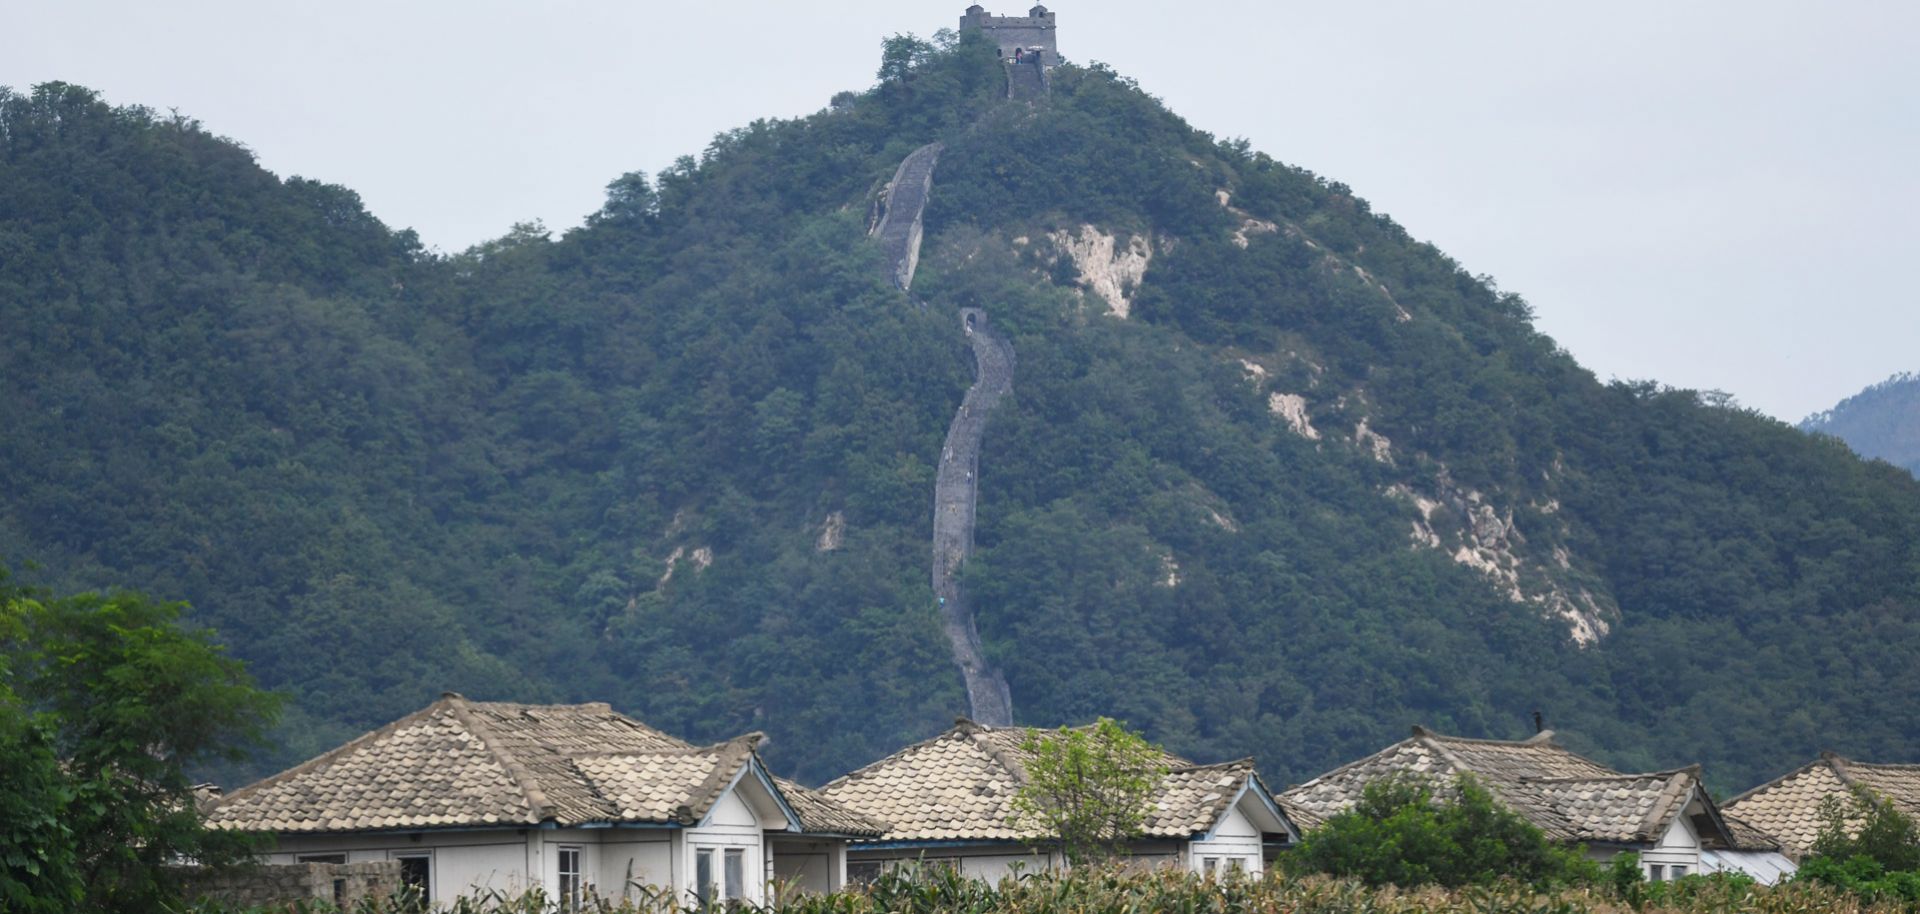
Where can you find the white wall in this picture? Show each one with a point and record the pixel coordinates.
(1234, 840)
(1680, 846)
(809, 864)
(645, 853)
(731, 824)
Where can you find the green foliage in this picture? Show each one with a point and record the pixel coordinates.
(1867, 825)
(105, 705)
(1089, 788)
(1407, 833)
(1866, 846)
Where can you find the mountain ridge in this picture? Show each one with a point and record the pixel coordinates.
(1881, 422)
(600, 467)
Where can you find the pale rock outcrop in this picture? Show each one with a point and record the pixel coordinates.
(700, 558)
(1249, 224)
(1293, 408)
(833, 533)
(1489, 543)
(1376, 444)
(1111, 270)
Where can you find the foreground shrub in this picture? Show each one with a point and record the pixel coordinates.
(1407, 833)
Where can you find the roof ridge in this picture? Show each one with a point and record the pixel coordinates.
(1663, 806)
(959, 728)
(330, 755)
(1897, 766)
(1432, 741)
(1014, 767)
(1840, 767)
(541, 808)
(1616, 776)
(732, 754)
(1417, 731)
(1782, 779)
(1230, 763)
(1537, 740)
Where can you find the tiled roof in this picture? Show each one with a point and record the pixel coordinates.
(464, 763)
(1788, 807)
(1567, 796)
(820, 815)
(960, 785)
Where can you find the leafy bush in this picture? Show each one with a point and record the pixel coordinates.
(1866, 846)
(1405, 832)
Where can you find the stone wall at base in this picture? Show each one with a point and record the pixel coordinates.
(254, 886)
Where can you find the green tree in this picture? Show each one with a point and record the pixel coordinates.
(1405, 832)
(1088, 789)
(106, 704)
(900, 55)
(1866, 846)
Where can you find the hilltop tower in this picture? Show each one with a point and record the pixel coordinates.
(1018, 36)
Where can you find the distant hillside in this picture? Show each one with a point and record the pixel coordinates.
(1882, 421)
(1273, 477)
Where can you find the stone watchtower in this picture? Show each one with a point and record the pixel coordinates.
(1017, 36)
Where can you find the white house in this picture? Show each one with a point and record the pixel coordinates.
(948, 801)
(476, 796)
(1666, 817)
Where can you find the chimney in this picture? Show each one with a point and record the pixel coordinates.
(1539, 722)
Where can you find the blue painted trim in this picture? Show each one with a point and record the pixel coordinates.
(909, 845)
(766, 780)
(786, 809)
(631, 825)
(1266, 799)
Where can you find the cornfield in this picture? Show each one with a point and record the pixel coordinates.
(1131, 891)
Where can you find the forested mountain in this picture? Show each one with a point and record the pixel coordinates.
(1881, 422)
(1274, 477)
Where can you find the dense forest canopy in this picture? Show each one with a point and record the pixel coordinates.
(1881, 422)
(1318, 484)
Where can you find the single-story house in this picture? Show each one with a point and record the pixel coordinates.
(471, 796)
(1666, 817)
(1787, 808)
(948, 801)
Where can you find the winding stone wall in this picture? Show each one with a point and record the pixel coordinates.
(956, 490)
(899, 227)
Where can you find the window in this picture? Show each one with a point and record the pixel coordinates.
(1676, 871)
(1656, 873)
(320, 858)
(1236, 866)
(736, 874)
(703, 875)
(862, 872)
(570, 881)
(416, 873)
(1210, 866)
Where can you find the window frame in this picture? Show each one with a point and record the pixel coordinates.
(733, 874)
(571, 895)
(703, 875)
(426, 861)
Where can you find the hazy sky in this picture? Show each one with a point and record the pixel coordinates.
(1715, 194)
